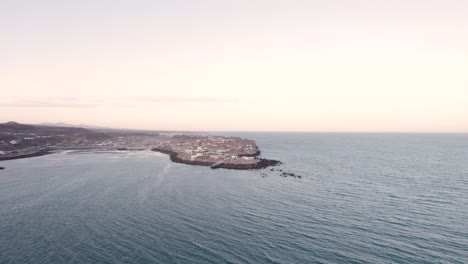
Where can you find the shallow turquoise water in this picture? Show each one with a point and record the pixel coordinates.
(363, 198)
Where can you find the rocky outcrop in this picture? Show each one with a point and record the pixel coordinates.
(263, 163)
(286, 174)
(267, 163)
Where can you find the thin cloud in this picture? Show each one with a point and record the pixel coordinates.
(181, 99)
(90, 102)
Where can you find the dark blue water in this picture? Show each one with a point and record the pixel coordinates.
(363, 198)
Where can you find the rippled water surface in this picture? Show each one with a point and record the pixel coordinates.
(363, 198)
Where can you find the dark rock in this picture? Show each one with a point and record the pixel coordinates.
(267, 163)
(2, 168)
(286, 174)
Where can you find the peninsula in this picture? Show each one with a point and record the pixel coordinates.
(214, 151)
(24, 140)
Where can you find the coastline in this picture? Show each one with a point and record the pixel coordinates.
(263, 163)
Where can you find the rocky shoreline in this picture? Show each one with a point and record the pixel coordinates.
(262, 163)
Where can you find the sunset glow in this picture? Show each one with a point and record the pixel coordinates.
(237, 65)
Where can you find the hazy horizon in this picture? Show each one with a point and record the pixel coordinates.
(295, 66)
(91, 126)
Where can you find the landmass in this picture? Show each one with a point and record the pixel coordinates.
(228, 152)
(214, 151)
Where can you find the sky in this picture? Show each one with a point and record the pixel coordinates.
(245, 65)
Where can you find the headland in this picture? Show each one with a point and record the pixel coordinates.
(215, 151)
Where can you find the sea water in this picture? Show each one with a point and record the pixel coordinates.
(362, 198)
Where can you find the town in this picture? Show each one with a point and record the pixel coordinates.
(22, 141)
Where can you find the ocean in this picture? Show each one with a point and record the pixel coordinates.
(362, 198)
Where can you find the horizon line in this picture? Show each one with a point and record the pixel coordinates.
(98, 127)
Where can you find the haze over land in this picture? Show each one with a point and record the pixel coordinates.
(237, 65)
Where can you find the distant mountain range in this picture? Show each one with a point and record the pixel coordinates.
(61, 124)
(14, 125)
(14, 128)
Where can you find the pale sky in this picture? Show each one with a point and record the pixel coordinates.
(250, 65)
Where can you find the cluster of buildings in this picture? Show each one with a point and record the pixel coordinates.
(211, 149)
